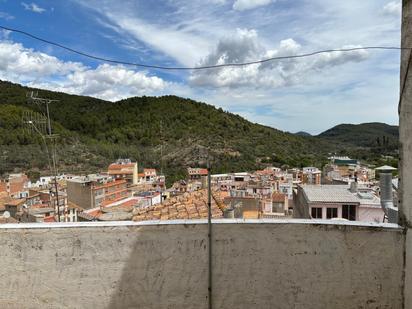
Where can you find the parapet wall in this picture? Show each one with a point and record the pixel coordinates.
(270, 264)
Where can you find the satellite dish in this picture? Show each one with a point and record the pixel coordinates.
(6, 215)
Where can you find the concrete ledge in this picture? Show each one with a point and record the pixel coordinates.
(198, 221)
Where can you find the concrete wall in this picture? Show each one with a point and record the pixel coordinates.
(271, 264)
(405, 145)
(408, 271)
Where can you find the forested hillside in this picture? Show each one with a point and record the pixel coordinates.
(94, 132)
(166, 131)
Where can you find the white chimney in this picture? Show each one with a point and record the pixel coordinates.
(385, 182)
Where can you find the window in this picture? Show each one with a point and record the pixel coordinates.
(277, 207)
(316, 212)
(331, 213)
(349, 212)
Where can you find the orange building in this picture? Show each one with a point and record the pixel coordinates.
(95, 191)
(124, 169)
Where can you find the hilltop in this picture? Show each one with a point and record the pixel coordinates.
(365, 134)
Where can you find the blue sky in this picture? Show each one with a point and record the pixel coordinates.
(310, 94)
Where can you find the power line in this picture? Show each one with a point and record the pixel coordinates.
(150, 66)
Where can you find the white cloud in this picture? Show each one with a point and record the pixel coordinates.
(183, 34)
(33, 7)
(110, 82)
(393, 8)
(183, 46)
(6, 16)
(114, 82)
(244, 46)
(242, 5)
(19, 61)
(4, 34)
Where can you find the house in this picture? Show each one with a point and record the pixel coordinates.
(149, 174)
(311, 175)
(14, 185)
(15, 206)
(124, 169)
(280, 204)
(196, 173)
(71, 213)
(148, 198)
(37, 214)
(150, 180)
(221, 181)
(344, 166)
(47, 181)
(337, 201)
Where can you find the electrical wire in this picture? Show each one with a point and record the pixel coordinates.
(150, 66)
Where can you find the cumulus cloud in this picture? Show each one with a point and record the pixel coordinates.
(244, 46)
(111, 82)
(393, 8)
(242, 5)
(33, 7)
(114, 82)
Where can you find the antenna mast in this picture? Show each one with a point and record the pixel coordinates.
(161, 160)
(42, 125)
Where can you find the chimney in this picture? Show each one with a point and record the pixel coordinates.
(385, 183)
(135, 179)
(229, 213)
(354, 185)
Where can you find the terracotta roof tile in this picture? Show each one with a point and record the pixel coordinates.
(187, 206)
(278, 197)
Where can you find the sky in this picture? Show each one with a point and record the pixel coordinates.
(308, 94)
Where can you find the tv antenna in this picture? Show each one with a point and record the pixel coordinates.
(41, 125)
(161, 161)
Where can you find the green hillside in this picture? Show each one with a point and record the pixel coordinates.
(95, 132)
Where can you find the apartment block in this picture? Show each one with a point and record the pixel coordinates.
(95, 191)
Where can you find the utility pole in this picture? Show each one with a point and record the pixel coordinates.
(39, 101)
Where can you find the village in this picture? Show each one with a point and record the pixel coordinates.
(344, 189)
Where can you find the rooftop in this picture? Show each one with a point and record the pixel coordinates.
(337, 194)
(187, 206)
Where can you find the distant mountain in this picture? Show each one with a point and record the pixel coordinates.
(303, 133)
(95, 132)
(372, 135)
